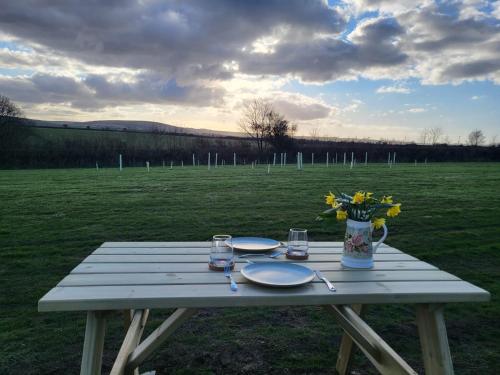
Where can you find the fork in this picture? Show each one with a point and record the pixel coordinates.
(325, 280)
(274, 254)
(227, 273)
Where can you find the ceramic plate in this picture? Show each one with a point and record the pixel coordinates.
(255, 244)
(277, 274)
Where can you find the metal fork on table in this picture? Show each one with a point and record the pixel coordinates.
(227, 273)
(274, 254)
(325, 280)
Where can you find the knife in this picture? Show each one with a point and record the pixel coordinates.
(327, 282)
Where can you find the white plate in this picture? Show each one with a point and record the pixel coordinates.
(255, 244)
(277, 274)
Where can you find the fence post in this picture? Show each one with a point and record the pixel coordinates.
(274, 159)
(147, 165)
(171, 164)
(234, 159)
(366, 158)
(312, 160)
(327, 159)
(394, 158)
(344, 157)
(285, 159)
(194, 162)
(216, 156)
(208, 160)
(97, 166)
(120, 161)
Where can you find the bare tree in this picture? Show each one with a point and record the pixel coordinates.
(280, 130)
(314, 134)
(476, 137)
(255, 121)
(13, 131)
(424, 136)
(8, 108)
(434, 135)
(494, 140)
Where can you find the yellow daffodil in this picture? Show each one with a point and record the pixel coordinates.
(394, 210)
(330, 199)
(341, 215)
(387, 199)
(359, 197)
(368, 195)
(378, 222)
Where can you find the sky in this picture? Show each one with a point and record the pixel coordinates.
(361, 68)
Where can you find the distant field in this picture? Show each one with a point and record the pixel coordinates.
(51, 219)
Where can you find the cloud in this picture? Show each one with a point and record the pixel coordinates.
(397, 89)
(96, 91)
(298, 107)
(182, 39)
(448, 48)
(168, 52)
(417, 110)
(353, 106)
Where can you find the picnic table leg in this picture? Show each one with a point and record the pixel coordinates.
(94, 343)
(344, 358)
(434, 340)
(127, 320)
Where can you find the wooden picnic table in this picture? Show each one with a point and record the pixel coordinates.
(139, 276)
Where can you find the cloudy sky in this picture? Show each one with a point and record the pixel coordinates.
(359, 68)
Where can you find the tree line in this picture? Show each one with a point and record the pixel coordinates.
(268, 132)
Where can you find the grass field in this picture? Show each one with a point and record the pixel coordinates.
(51, 219)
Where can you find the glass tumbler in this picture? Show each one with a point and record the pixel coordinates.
(298, 245)
(221, 252)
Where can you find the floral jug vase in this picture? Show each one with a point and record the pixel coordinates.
(358, 247)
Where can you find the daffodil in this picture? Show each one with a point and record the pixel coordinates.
(369, 195)
(359, 197)
(341, 215)
(386, 199)
(394, 210)
(378, 222)
(330, 199)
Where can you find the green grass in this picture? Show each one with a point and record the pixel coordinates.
(51, 219)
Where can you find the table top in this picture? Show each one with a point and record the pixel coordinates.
(137, 275)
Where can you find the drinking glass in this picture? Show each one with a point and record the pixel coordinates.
(221, 252)
(297, 242)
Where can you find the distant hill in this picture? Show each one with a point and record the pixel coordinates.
(132, 126)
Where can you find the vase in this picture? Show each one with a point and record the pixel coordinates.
(358, 246)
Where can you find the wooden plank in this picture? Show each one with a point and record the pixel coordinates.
(203, 267)
(158, 336)
(218, 278)
(354, 331)
(434, 340)
(204, 258)
(94, 343)
(130, 342)
(380, 354)
(206, 244)
(346, 349)
(157, 244)
(220, 295)
(206, 250)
